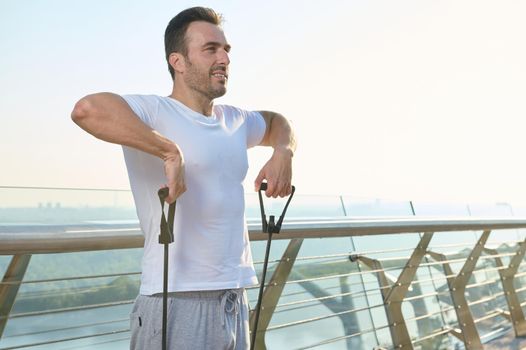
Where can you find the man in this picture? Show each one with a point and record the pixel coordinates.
(199, 151)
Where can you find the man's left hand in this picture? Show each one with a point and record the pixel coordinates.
(278, 173)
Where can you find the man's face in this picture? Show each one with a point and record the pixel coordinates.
(206, 63)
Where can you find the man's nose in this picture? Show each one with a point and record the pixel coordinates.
(223, 57)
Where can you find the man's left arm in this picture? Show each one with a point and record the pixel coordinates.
(278, 170)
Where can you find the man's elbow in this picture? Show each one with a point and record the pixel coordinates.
(82, 110)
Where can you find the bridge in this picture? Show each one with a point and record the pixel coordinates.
(345, 273)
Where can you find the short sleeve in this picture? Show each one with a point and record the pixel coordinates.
(145, 106)
(256, 128)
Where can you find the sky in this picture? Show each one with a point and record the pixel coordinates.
(421, 100)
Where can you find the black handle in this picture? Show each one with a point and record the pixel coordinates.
(264, 186)
(271, 227)
(166, 236)
(163, 193)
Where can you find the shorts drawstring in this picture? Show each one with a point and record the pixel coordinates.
(230, 302)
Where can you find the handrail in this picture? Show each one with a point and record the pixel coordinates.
(69, 238)
(34, 239)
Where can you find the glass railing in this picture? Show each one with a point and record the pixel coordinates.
(75, 300)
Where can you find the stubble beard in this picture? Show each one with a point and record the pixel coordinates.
(200, 81)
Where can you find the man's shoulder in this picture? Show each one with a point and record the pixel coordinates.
(226, 109)
(151, 98)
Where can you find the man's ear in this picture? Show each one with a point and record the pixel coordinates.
(177, 61)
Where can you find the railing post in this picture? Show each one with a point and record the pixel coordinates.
(394, 295)
(14, 274)
(507, 276)
(457, 285)
(273, 291)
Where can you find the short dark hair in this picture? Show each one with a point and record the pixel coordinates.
(175, 34)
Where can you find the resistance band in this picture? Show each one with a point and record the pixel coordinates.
(166, 237)
(267, 227)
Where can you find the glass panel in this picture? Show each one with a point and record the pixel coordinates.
(519, 211)
(44, 207)
(361, 207)
(443, 209)
(499, 210)
(301, 206)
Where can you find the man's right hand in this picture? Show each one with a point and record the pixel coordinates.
(174, 171)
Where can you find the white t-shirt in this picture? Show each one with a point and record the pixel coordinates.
(211, 248)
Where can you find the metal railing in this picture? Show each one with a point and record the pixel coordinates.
(371, 293)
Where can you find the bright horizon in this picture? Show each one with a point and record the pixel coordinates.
(416, 100)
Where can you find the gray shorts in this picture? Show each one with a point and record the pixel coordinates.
(199, 320)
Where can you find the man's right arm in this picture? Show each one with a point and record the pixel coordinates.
(108, 117)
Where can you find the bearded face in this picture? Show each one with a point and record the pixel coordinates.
(205, 80)
(206, 60)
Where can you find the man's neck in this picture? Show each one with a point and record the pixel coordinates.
(194, 101)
